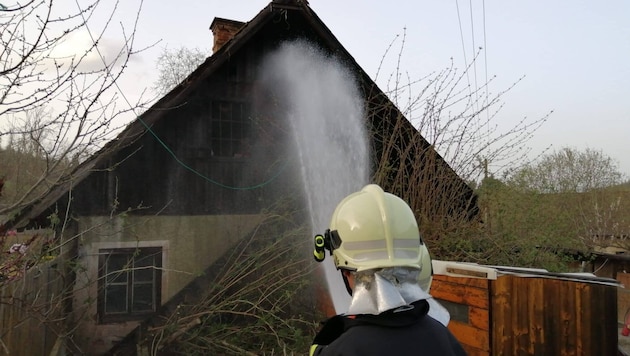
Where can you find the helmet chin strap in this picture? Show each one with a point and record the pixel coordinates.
(346, 283)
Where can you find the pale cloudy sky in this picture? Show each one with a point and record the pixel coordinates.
(574, 55)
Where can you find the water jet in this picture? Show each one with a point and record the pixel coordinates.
(325, 111)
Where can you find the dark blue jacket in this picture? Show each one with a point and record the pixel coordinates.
(402, 331)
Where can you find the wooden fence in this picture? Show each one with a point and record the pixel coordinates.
(528, 312)
(30, 309)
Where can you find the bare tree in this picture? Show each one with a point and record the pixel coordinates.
(58, 98)
(584, 187)
(60, 64)
(524, 228)
(461, 121)
(569, 170)
(175, 65)
(454, 126)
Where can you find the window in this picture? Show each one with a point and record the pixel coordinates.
(230, 126)
(459, 312)
(129, 283)
(238, 69)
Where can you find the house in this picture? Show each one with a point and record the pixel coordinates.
(186, 181)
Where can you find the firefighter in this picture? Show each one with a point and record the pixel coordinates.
(386, 267)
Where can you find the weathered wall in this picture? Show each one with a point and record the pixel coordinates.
(30, 311)
(623, 296)
(516, 315)
(545, 316)
(468, 301)
(189, 245)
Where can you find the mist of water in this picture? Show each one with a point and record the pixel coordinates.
(324, 108)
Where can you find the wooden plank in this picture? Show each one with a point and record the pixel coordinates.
(480, 283)
(580, 320)
(569, 331)
(535, 315)
(520, 315)
(460, 293)
(501, 336)
(552, 323)
(611, 308)
(603, 305)
(479, 318)
(469, 335)
(472, 351)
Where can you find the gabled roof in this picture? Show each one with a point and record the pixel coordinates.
(178, 95)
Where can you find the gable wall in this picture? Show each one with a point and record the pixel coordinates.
(200, 242)
(174, 169)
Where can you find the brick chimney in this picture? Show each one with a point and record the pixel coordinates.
(223, 30)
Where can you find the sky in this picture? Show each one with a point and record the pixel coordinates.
(573, 57)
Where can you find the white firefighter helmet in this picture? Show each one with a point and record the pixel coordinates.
(373, 229)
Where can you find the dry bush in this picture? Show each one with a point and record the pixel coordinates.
(259, 300)
(439, 137)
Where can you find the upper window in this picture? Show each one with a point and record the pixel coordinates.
(239, 70)
(230, 124)
(129, 283)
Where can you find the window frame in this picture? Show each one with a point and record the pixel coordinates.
(133, 254)
(230, 129)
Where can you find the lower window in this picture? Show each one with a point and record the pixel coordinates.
(129, 283)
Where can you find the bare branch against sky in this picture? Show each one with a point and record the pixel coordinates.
(572, 56)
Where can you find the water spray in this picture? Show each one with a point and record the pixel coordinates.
(321, 99)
